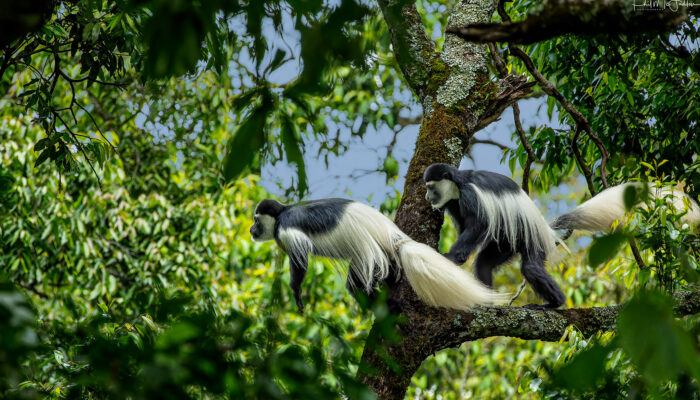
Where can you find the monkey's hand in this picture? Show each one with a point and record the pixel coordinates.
(453, 258)
(297, 299)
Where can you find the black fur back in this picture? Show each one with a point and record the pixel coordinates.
(313, 217)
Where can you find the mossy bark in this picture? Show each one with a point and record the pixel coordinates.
(454, 92)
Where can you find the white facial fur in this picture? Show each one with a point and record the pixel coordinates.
(440, 192)
(267, 223)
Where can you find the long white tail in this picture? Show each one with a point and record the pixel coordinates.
(434, 278)
(600, 212)
(441, 283)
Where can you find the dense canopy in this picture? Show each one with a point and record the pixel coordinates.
(132, 139)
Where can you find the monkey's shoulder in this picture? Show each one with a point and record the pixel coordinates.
(490, 181)
(315, 216)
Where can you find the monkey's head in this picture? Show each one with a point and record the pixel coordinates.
(439, 184)
(266, 214)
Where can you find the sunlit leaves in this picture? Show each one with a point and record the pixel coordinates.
(162, 291)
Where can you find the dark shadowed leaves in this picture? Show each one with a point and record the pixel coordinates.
(247, 142)
(292, 149)
(605, 247)
(655, 342)
(635, 194)
(17, 336)
(584, 370)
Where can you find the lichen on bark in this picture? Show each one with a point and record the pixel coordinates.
(466, 60)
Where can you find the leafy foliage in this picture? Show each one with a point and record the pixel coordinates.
(148, 297)
(635, 93)
(132, 272)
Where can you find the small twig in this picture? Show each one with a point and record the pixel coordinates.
(528, 149)
(520, 290)
(635, 252)
(81, 148)
(582, 163)
(581, 121)
(32, 288)
(96, 126)
(501, 146)
(503, 71)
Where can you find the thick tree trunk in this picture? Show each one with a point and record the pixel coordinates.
(455, 93)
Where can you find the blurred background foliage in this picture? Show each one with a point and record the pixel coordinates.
(132, 134)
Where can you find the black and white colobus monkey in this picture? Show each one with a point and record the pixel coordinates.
(492, 213)
(376, 248)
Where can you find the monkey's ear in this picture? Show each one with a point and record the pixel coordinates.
(448, 173)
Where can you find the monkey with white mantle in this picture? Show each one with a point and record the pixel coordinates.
(378, 251)
(494, 215)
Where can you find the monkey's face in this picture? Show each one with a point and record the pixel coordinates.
(263, 228)
(438, 193)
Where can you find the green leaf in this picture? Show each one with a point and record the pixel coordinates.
(652, 338)
(43, 156)
(293, 152)
(605, 247)
(391, 166)
(584, 370)
(248, 140)
(635, 194)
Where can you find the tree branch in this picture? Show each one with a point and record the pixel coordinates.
(560, 17)
(454, 328)
(581, 121)
(412, 47)
(510, 89)
(501, 146)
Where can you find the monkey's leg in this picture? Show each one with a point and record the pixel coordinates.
(488, 259)
(534, 272)
(355, 287)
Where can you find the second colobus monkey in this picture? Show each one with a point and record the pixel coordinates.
(376, 248)
(493, 213)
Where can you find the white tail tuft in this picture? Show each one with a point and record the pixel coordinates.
(370, 241)
(441, 283)
(606, 208)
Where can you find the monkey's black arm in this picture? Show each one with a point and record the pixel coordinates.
(469, 239)
(297, 271)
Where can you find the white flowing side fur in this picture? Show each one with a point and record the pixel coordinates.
(608, 207)
(370, 240)
(519, 218)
